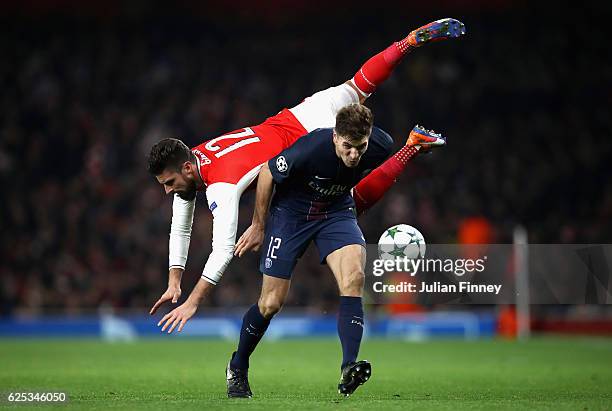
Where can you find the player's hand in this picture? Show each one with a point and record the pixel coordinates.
(250, 240)
(172, 293)
(179, 316)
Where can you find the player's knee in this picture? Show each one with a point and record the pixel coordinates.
(352, 283)
(269, 306)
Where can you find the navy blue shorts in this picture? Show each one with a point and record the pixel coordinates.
(288, 235)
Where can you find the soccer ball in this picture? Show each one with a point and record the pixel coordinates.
(401, 241)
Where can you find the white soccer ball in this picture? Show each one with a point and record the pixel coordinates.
(401, 241)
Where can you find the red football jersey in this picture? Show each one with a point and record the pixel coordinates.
(226, 159)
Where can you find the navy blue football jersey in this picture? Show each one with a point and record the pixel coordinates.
(310, 178)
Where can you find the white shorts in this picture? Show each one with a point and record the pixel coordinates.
(320, 109)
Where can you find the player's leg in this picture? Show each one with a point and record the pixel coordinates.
(320, 109)
(372, 187)
(256, 320)
(347, 264)
(254, 325)
(284, 242)
(378, 68)
(342, 246)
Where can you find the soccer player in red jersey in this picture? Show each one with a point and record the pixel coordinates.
(225, 166)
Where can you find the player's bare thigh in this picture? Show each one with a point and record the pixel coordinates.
(362, 97)
(274, 291)
(348, 265)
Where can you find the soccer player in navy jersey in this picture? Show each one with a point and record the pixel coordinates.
(313, 180)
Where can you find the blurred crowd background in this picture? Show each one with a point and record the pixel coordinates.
(524, 100)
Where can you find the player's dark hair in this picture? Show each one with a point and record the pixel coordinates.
(169, 153)
(354, 122)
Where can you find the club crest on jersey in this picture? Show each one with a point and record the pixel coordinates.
(281, 164)
(203, 159)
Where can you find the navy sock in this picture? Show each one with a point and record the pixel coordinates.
(350, 327)
(254, 325)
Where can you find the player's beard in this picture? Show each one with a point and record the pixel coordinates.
(190, 192)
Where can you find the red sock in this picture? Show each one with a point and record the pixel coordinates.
(378, 68)
(369, 190)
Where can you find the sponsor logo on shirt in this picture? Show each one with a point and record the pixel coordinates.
(334, 190)
(203, 159)
(281, 164)
(213, 206)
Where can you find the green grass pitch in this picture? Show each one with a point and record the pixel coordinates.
(185, 374)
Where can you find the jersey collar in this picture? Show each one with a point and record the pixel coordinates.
(200, 173)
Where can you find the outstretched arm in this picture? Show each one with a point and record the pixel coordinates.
(253, 236)
(180, 237)
(223, 201)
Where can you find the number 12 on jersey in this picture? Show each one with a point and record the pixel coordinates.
(274, 245)
(212, 144)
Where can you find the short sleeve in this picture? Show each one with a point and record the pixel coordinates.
(291, 160)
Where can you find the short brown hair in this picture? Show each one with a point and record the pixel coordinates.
(354, 122)
(169, 153)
